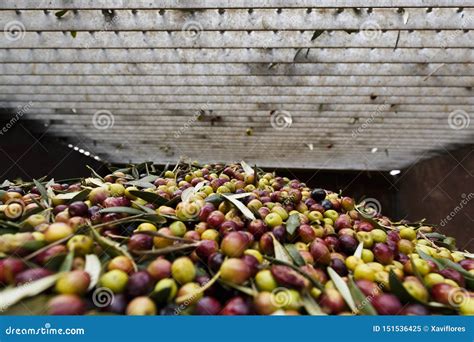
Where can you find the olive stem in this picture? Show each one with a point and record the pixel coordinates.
(297, 269)
(113, 236)
(55, 243)
(169, 237)
(203, 288)
(166, 250)
(430, 241)
(122, 220)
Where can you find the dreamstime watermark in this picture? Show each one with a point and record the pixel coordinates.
(46, 330)
(371, 207)
(102, 297)
(368, 299)
(280, 297)
(111, 20)
(17, 115)
(191, 299)
(103, 119)
(192, 30)
(463, 203)
(13, 209)
(458, 119)
(6, 302)
(378, 111)
(281, 119)
(14, 30)
(458, 296)
(370, 30)
(451, 35)
(192, 120)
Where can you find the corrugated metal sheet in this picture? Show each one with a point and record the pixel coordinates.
(315, 84)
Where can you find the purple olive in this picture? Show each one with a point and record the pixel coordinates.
(140, 242)
(78, 208)
(139, 283)
(348, 244)
(207, 306)
(215, 261)
(339, 266)
(59, 208)
(236, 306)
(206, 248)
(118, 305)
(31, 275)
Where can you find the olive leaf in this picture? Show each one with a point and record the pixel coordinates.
(92, 267)
(144, 208)
(280, 252)
(149, 178)
(446, 263)
(153, 217)
(81, 195)
(111, 247)
(141, 184)
(95, 174)
(292, 223)
(342, 287)
(215, 199)
(442, 263)
(362, 302)
(54, 263)
(358, 251)
(161, 296)
(42, 190)
(237, 196)
(427, 257)
(246, 211)
(121, 210)
(150, 197)
(28, 213)
(467, 254)
(36, 306)
(94, 181)
(295, 255)
(6, 183)
(435, 235)
(316, 34)
(61, 13)
(7, 230)
(66, 265)
(33, 245)
(311, 306)
(75, 196)
(397, 288)
(13, 295)
(187, 193)
(247, 168)
(367, 218)
(10, 224)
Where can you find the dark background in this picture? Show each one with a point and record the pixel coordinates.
(430, 189)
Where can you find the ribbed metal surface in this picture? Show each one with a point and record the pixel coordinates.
(314, 84)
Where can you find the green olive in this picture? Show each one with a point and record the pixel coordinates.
(183, 270)
(80, 244)
(115, 280)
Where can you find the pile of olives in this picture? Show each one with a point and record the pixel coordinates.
(219, 240)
